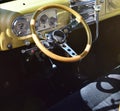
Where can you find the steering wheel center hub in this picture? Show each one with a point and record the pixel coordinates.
(59, 36)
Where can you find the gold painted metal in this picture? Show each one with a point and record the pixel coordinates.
(51, 54)
(11, 10)
(110, 8)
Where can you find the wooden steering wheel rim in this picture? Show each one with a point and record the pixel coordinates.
(51, 54)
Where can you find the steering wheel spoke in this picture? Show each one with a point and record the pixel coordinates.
(68, 49)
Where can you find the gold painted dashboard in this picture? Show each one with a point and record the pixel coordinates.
(11, 10)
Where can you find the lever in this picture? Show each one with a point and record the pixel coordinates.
(53, 65)
(32, 50)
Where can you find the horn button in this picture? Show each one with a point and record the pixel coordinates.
(59, 36)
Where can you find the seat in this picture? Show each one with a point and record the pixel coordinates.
(100, 95)
(104, 93)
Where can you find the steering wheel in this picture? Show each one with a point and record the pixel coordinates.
(49, 53)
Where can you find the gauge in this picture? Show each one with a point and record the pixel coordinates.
(52, 21)
(43, 19)
(20, 26)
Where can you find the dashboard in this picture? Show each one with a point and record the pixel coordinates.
(15, 21)
(16, 15)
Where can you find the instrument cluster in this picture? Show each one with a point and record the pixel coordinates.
(46, 20)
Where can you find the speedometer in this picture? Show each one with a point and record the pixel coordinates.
(20, 26)
(43, 19)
